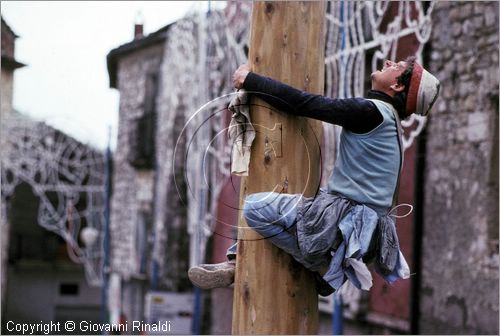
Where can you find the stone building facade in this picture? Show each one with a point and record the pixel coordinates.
(134, 69)
(132, 196)
(459, 282)
(9, 65)
(132, 188)
(173, 86)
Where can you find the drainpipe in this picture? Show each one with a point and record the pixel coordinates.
(105, 243)
(337, 318)
(198, 295)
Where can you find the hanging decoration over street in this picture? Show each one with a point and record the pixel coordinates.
(68, 179)
(201, 53)
(360, 36)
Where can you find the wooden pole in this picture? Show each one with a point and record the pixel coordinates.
(273, 294)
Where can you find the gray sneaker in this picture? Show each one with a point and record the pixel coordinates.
(208, 276)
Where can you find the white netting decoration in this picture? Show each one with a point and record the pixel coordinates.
(361, 34)
(68, 179)
(201, 53)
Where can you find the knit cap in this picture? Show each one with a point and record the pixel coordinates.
(423, 91)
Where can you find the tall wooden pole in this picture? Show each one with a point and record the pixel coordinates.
(273, 294)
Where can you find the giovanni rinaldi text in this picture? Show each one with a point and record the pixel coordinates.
(86, 326)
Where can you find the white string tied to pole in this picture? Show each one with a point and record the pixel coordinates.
(400, 216)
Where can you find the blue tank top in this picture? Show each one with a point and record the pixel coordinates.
(367, 165)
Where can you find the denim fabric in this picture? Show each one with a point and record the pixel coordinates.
(231, 251)
(335, 276)
(357, 272)
(273, 215)
(357, 229)
(388, 242)
(354, 231)
(400, 271)
(317, 225)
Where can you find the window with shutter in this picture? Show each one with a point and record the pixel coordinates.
(142, 130)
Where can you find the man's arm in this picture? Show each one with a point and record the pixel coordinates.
(357, 115)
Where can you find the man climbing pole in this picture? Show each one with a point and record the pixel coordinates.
(334, 232)
(349, 223)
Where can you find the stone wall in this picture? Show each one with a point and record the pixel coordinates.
(132, 189)
(7, 83)
(459, 289)
(4, 227)
(135, 198)
(6, 92)
(6, 108)
(173, 272)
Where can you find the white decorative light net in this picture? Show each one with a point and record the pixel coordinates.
(362, 34)
(201, 53)
(68, 179)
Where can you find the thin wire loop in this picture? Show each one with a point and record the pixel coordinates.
(401, 216)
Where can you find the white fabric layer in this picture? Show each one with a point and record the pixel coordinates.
(241, 133)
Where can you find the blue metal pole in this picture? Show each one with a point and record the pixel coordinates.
(154, 277)
(337, 322)
(196, 326)
(198, 294)
(105, 243)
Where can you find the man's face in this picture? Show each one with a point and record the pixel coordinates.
(385, 80)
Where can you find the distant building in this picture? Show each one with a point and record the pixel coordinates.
(458, 287)
(9, 65)
(134, 69)
(52, 190)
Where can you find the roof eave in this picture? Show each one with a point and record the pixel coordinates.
(127, 48)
